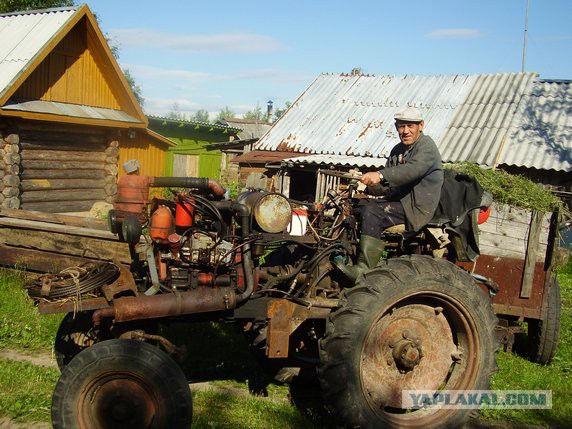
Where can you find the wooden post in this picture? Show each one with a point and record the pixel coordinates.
(531, 251)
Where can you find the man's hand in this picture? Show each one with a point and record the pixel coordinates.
(371, 178)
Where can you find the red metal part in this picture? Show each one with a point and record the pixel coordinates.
(507, 273)
(162, 224)
(132, 194)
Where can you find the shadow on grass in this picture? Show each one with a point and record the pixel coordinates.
(219, 352)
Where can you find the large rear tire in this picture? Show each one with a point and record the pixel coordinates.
(122, 384)
(415, 323)
(543, 334)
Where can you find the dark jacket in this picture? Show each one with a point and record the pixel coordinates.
(415, 176)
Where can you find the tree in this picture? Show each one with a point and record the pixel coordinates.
(278, 113)
(255, 114)
(225, 113)
(175, 113)
(134, 87)
(7, 6)
(201, 115)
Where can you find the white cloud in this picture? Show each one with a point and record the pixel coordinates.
(454, 33)
(207, 44)
(275, 75)
(161, 73)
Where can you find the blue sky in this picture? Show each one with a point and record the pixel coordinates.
(209, 54)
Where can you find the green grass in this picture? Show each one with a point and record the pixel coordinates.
(517, 373)
(217, 352)
(26, 391)
(20, 324)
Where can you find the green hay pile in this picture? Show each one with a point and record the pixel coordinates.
(516, 191)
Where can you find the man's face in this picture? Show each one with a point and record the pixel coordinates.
(409, 132)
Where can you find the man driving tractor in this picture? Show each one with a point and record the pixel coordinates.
(411, 183)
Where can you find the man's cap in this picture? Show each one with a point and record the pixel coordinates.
(131, 166)
(409, 114)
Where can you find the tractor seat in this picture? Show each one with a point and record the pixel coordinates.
(395, 229)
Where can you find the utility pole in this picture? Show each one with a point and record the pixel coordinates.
(525, 35)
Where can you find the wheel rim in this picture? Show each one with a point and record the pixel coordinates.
(119, 399)
(425, 341)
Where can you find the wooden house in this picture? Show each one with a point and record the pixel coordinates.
(191, 156)
(67, 114)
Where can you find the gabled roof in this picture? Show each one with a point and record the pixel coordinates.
(249, 129)
(27, 40)
(471, 117)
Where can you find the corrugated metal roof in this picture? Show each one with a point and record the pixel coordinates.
(73, 110)
(353, 115)
(471, 117)
(158, 120)
(541, 135)
(343, 160)
(23, 36)
(480, 127)
(249, 129)
(262, 157)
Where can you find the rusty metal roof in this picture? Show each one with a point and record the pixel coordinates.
(343, 160)
(478, 118)
(23, 36)
(263, 157)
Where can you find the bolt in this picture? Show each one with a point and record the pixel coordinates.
(456, 355)
(438, 310)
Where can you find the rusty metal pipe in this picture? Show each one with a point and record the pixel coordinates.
(202, 184)
(200, 300)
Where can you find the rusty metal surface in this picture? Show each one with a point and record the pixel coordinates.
(284, 317)
(507, 273)
(410, 348)
(124, 284)
(199, 300)
(271, 211)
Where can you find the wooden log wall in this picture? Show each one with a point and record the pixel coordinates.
(57, 169)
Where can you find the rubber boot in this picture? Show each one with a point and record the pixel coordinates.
(370, 251)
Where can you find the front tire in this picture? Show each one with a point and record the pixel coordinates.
(121, 383)
(415, 323)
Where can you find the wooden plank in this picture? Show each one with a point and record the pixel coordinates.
(63, 195)
(531, 254)
(63, 243)
(72, 143)
(59, 206)
(57, 184)
(37, 260)
(63, 174)
(57, 228)
(83, 222)
(61, 165)
(62, 155)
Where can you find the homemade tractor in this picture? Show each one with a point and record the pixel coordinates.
(416, 322)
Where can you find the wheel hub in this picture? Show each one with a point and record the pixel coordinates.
(409, 348)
